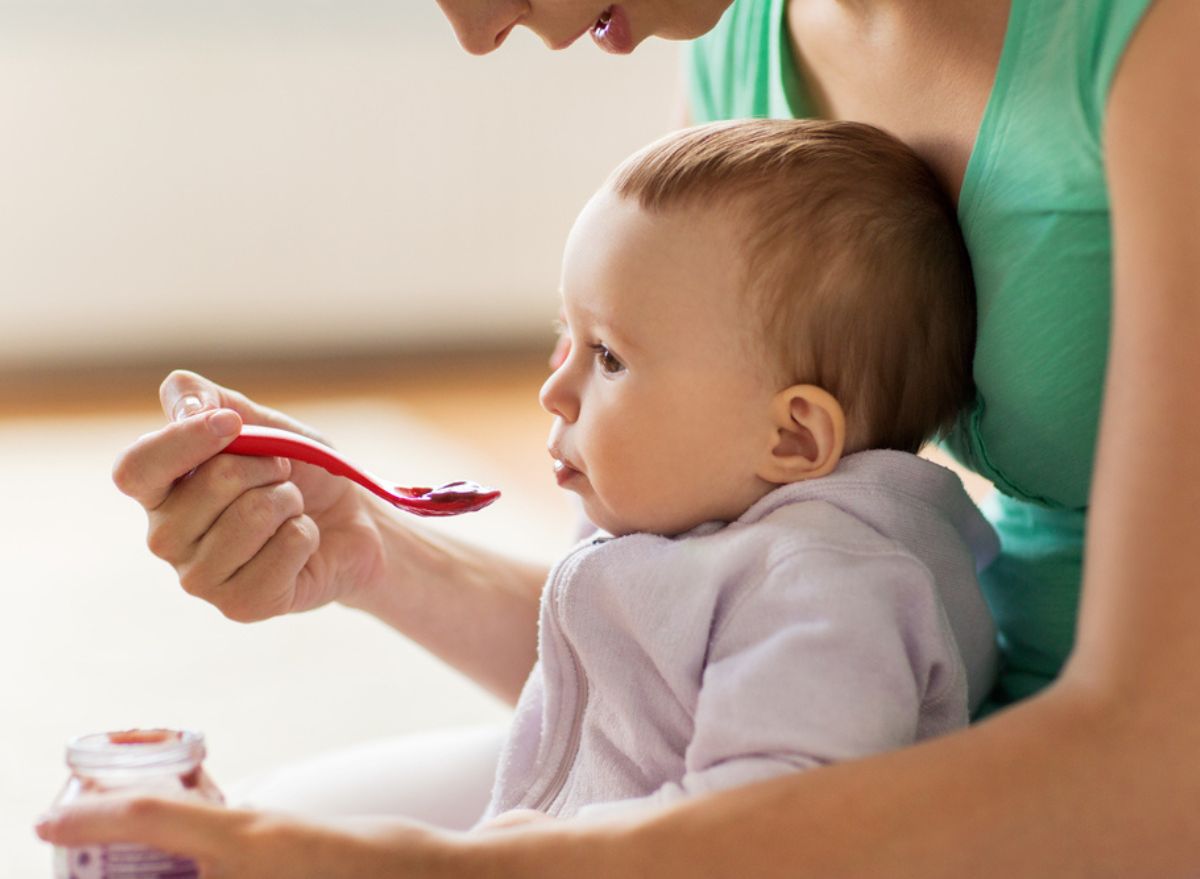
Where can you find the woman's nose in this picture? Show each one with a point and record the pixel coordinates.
(482, 25)
(558, 397)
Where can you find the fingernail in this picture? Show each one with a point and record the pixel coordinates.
(224, 423)
(189, 405)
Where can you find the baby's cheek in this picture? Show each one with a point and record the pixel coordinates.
(615, 502)
(655, 497)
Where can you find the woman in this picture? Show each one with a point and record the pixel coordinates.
(1039, 116)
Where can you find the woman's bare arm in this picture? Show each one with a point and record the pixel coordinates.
(473, 608)
(1098, 776)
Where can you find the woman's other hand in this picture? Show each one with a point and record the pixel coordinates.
(256, 537)
(234, 843)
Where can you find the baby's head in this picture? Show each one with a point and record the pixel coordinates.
(746, 303)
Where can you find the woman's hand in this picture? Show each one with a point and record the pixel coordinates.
(239, 844)
(256, 537)
(260, 537)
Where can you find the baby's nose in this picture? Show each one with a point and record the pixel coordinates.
(556, 396)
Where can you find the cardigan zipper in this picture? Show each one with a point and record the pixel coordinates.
(575, 734)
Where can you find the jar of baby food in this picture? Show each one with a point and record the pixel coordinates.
(158, 762)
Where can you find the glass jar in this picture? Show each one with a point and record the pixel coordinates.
(157, 762)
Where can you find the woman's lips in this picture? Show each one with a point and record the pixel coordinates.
(612, 33)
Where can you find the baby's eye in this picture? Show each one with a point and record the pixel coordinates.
(607, 361)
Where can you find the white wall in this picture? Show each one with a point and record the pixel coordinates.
(193, 176)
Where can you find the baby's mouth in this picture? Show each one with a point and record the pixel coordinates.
(564, 467)
(564, 472)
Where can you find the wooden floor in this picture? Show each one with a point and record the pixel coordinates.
(434, 379)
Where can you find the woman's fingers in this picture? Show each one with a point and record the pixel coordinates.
(235, 843)
(248, 563)
(179, 523)
(245, 527)
(241, 531)
(205, 418)
(268, 585)
(148, 469)
(218, 522)
(192, 829)
(184, 394)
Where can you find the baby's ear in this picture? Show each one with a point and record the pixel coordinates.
(809, 438)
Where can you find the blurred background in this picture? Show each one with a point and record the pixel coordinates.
(331, 207)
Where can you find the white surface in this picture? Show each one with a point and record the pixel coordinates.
(441, 777)
(96, 634)
(232, 176)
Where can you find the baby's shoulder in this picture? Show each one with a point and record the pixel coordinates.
(788, 534)
(807, 549)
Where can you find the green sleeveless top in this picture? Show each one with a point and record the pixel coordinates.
(1034, 210)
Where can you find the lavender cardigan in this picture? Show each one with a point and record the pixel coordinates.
(836, 618)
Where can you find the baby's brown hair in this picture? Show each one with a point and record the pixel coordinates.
(853, 253)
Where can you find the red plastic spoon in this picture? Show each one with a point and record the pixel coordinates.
(445, 500)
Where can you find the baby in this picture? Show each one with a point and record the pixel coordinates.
(764, 322)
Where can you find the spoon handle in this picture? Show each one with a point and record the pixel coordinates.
(269, 441)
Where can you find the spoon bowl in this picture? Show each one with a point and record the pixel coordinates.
(450, 499)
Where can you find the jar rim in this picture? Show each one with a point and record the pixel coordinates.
(136, 749)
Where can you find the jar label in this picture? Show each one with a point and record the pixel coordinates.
(121, 862)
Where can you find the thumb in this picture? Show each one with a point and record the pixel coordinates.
(185, 393)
